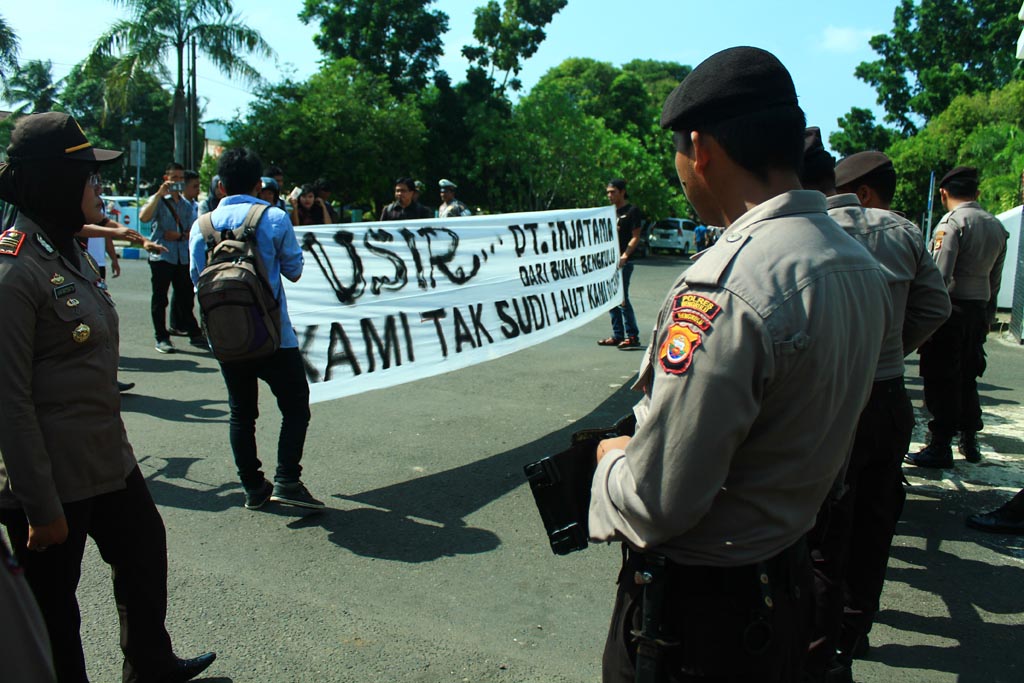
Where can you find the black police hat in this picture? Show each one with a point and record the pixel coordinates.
(960, 173)
(53, 136)
(730, 83)
(856, 166)
(814, 150)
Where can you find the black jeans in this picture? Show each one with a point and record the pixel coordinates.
(129, 533)
(851, 539)
(718, 618)
(951, 363)
(285, 374)
(166, 275)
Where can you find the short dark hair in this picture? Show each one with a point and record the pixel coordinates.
(961, 188)
(190, 174)
(273, 171)
(239, 170)
(174, 166)
(617, 183)
(771, 139)
(408, 182)
(882, 180)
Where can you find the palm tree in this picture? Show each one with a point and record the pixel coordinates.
(33, 85)
(8, 51)
(156, 28)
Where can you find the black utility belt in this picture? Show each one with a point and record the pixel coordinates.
(780, 568)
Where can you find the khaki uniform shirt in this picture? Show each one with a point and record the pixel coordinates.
(61, 435)
(762, 360)
(969, 247)
(24, 642)
(920, 303)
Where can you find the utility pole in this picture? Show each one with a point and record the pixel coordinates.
(1017, 306)
(193, 105)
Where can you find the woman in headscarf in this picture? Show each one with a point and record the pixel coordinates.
(68, 469)
(213, 198)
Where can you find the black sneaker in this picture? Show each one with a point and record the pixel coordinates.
(125, 386)
(176, 332)
(256, 498)
(295, 494)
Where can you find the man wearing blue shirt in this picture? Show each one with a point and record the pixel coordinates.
(283, 371)
(172, 215)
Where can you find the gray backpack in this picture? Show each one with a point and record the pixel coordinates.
(241, 317)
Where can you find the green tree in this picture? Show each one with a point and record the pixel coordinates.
(939, 49)
(342, 124)
(659, 78)
(397, 39)
(144, 117)
(858, 132)
(33, 86)
(8, 50)
(985, 130)
(156, 29)
(507, 35)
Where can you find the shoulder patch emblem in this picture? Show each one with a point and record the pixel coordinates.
(11, 241)
(695, 302)
(676, 353)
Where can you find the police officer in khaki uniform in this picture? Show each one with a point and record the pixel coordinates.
(969, 247)
(24, 645)
(851, 540)
(761, 362)
(68, 470)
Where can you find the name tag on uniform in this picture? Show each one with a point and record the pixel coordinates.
(63, 290)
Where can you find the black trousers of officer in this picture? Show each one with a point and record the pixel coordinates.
(951, 362)
(724, 630)
(130, 535)
(851, 539)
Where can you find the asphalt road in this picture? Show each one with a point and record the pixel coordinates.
(431, 564)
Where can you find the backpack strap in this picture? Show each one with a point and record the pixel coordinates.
(209, 232)
(252, 219)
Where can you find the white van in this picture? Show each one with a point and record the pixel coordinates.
(673, 234)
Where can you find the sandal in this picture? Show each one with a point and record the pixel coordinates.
(609, 341)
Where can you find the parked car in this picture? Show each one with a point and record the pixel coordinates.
(673, 234)
(125, 210)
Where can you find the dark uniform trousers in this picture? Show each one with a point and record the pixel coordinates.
(851, 539)
(174, 276)
(129, 533)
(951, 363)
(725, 623)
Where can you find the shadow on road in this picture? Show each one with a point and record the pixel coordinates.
(173, 409)
(971, 590)
(165, 364)
(419, 520)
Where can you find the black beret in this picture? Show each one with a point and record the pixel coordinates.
(960, 173)
(815, 156)
(856, 166)
(730, 83)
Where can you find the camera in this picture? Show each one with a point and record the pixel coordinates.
(177, 187)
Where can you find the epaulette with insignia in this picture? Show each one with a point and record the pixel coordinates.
(11, 241)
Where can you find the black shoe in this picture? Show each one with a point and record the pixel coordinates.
(998, 522)
(295, 494)
(936, 455)
(199, 341)
(257, 498)
(968, 447)
(125, 386)
(187, 669)
(175, 332)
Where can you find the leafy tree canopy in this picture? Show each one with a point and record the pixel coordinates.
(32, 86)
(509, 34)
(343, 124)
(937, 50)
(985, 130)
(397, 39)
(8, 50)
(858, 132)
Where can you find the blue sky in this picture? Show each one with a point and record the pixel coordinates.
(820, 42)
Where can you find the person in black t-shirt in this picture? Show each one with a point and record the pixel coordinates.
(625, 333)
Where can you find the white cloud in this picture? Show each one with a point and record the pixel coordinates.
(845, 39)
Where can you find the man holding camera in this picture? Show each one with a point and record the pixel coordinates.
(172, 215)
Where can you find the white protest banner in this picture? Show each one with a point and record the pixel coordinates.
(380, 304)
